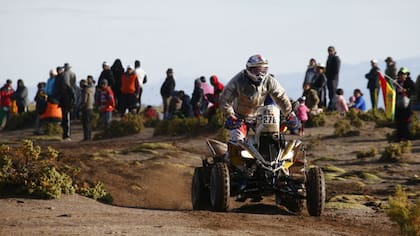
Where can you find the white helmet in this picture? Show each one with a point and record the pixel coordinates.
(257, 68)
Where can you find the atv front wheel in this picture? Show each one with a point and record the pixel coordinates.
(219, 187)
(200, 193)
(315, 191)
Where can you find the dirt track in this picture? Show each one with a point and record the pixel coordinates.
(160, 179)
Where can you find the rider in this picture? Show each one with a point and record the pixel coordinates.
(247, 90)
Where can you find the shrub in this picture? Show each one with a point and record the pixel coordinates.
(342, 128)
(96, 192)
(21, 121)
(127, 125)
(394, 152)
(179, 126)
(52, 128)
(415, 125)
(404, 213)
(317, 120)
(27, 170)
(370, 153)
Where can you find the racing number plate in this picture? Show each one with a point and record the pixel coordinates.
(269, 119)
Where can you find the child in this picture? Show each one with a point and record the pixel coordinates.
(302, 114)
(86, 107)
(106, 102)
(340, 102)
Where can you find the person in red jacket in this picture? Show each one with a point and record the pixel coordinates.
(130, 91)
(6, 93)
(106, 102)
(214, 98)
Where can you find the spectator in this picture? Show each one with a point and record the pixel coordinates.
(310, 73)
(405, 88)
(311, 98)
(130, 89)
(142, 77)
(21, 96)
(49, 87)
(340, 102)
(86, 107)
(391, 68)
(302, 114)
(70, 79)
(166, 90)
(40, 99)
(117, 70)
(359, 103)
(150, 113)
(320, 84)
(197, 98)
(66, 97)
(6, 93)
(415, 105)
(106, 74)
(332, 72)
(207, 91)
(174, 106)
(186, 109)
(106, 102)
(373, 83)
(214, 99)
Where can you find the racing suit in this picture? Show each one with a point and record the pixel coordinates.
(241, 97)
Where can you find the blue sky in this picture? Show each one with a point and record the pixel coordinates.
(199, 37)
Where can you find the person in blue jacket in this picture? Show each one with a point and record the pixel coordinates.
(360, 103)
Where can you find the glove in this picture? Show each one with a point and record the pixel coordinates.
(292, 121)
(233, 123)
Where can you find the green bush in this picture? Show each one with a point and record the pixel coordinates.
(415, 125)
(179, 126)
(394, 152)
(52, 128)
(28, 170)
(404, 213)
(317, 120)
(96, 192)
(21, 121)
(342, 128)
(370, 153)
(127, 125)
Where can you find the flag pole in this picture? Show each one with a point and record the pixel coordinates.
(393, 81)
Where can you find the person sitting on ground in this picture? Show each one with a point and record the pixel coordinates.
(150, 113)
(340, 102)
(186, 109)
(359, 103)
(312, 99)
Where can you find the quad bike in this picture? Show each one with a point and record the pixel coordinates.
(263, 164)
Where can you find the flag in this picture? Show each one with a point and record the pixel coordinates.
(389, 94)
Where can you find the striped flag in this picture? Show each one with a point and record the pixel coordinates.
(389, 94)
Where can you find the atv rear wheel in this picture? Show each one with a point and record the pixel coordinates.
(315, 191)
(219, 187)
(200, 193)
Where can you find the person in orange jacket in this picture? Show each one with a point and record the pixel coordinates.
(130, 91)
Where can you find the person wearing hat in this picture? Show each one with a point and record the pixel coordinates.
(391, 68)
(373, 83)
(130, 90)
(166, 91)
(6, 93)
(332, 71)
(320, 84)
(405, 88)
(106, 74)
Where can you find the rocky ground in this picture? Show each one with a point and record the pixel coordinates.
(151, 189)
